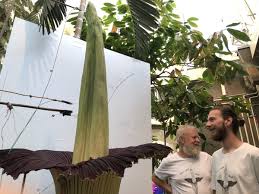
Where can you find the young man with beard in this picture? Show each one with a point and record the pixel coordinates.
(235, 167)
(187, 171)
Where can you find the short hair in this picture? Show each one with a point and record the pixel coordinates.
(181, 130)
(227, 110)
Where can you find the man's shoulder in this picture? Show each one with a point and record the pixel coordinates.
(250, 149)
(170, 159)
(171, 156)
(205, 155)
(217, 153)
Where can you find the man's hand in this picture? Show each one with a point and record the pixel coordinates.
(162, 184)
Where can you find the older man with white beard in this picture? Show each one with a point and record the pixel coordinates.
(187, 171)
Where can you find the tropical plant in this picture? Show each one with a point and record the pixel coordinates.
(47, 13)
(145, 20)
(173, 46)
(92, 168)
(50, 13)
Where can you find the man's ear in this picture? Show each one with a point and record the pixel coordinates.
(228, 122)
(181, 140)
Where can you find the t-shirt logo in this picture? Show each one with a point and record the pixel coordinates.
(193, 180)
(227, 180)
(226, 185)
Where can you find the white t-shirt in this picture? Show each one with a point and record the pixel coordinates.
(186, 175)
(236, 172)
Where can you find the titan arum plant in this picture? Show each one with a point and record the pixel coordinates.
(92, 168)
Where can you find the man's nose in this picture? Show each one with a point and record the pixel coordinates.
(207, 124)
(198, 139)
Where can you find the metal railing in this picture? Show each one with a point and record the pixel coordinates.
(250, 131)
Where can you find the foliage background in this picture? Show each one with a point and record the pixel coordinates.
(151, 31)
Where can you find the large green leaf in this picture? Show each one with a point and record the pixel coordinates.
(225, 40)
(233, 24)
(145, 20)
(51, 13)
(208, 76)
(238, 34)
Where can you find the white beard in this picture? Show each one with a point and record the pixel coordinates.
(191, 150)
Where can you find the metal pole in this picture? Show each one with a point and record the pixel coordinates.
(245, 128)
(250, 125)
(255, 121)
(11, 105)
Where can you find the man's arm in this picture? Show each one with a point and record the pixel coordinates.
(255, 161)
(162, 184)
(213, 175)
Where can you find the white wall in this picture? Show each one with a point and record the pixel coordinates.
(27, 67)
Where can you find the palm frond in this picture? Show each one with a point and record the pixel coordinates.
(145, 20)
(51, 13)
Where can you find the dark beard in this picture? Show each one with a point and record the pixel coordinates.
(220, 134)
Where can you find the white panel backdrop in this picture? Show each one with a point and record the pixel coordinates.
(30, 59)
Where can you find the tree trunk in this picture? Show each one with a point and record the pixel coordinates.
(5, 26)
(9, 7)
(80, 18)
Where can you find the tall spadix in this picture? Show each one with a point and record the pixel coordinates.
(78, 174)
(92, 132)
